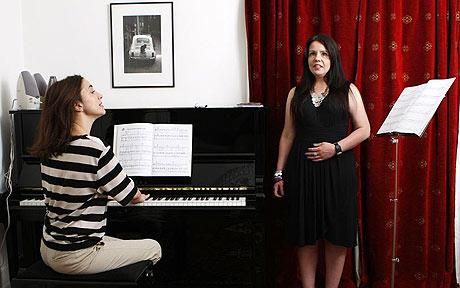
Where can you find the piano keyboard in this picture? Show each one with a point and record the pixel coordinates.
(190, 201)
(169, 202)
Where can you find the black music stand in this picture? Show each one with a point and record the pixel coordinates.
(410, 115)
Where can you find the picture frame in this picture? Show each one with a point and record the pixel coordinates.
(142, 44)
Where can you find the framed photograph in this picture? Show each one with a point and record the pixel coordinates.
(142, 44)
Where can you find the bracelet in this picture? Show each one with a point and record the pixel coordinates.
(278, 176)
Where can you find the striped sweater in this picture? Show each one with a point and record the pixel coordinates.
(76, 186)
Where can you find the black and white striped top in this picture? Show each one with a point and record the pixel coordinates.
(76, 185)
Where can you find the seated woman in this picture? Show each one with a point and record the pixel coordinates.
(79, 174)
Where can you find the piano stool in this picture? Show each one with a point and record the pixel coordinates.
(38, 275)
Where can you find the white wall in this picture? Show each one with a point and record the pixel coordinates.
(12, 60)
(73, 37)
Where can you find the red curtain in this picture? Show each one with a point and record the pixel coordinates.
(385, 46)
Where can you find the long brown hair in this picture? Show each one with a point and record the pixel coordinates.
(335, 77)
(57, 117)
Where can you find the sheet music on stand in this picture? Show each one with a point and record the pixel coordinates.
(415, 107)
(410, 115)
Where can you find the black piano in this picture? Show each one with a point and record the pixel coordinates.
(210, 225)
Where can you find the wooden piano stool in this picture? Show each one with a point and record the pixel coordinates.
(38, 275)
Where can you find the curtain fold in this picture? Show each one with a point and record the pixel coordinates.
(385, 46)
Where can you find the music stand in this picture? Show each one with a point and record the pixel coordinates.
(410, 115)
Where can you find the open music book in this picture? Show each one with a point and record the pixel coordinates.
(415, 106)
(146, 149)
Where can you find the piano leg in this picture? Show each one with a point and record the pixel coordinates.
(24, 236)
(12, 247)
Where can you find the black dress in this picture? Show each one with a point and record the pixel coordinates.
(321, 196)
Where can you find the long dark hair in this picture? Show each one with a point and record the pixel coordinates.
(57, 117)
(335, 77)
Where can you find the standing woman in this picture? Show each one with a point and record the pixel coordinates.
(79, 173)
(316, 167)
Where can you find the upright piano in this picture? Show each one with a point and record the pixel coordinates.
(210, 225)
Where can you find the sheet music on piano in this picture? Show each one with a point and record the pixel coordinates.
(146, 149)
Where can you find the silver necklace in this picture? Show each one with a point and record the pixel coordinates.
(316, 98)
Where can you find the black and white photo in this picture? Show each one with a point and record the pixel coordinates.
(142, 44)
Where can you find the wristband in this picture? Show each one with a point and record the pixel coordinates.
(278, 176)
(278, 173)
